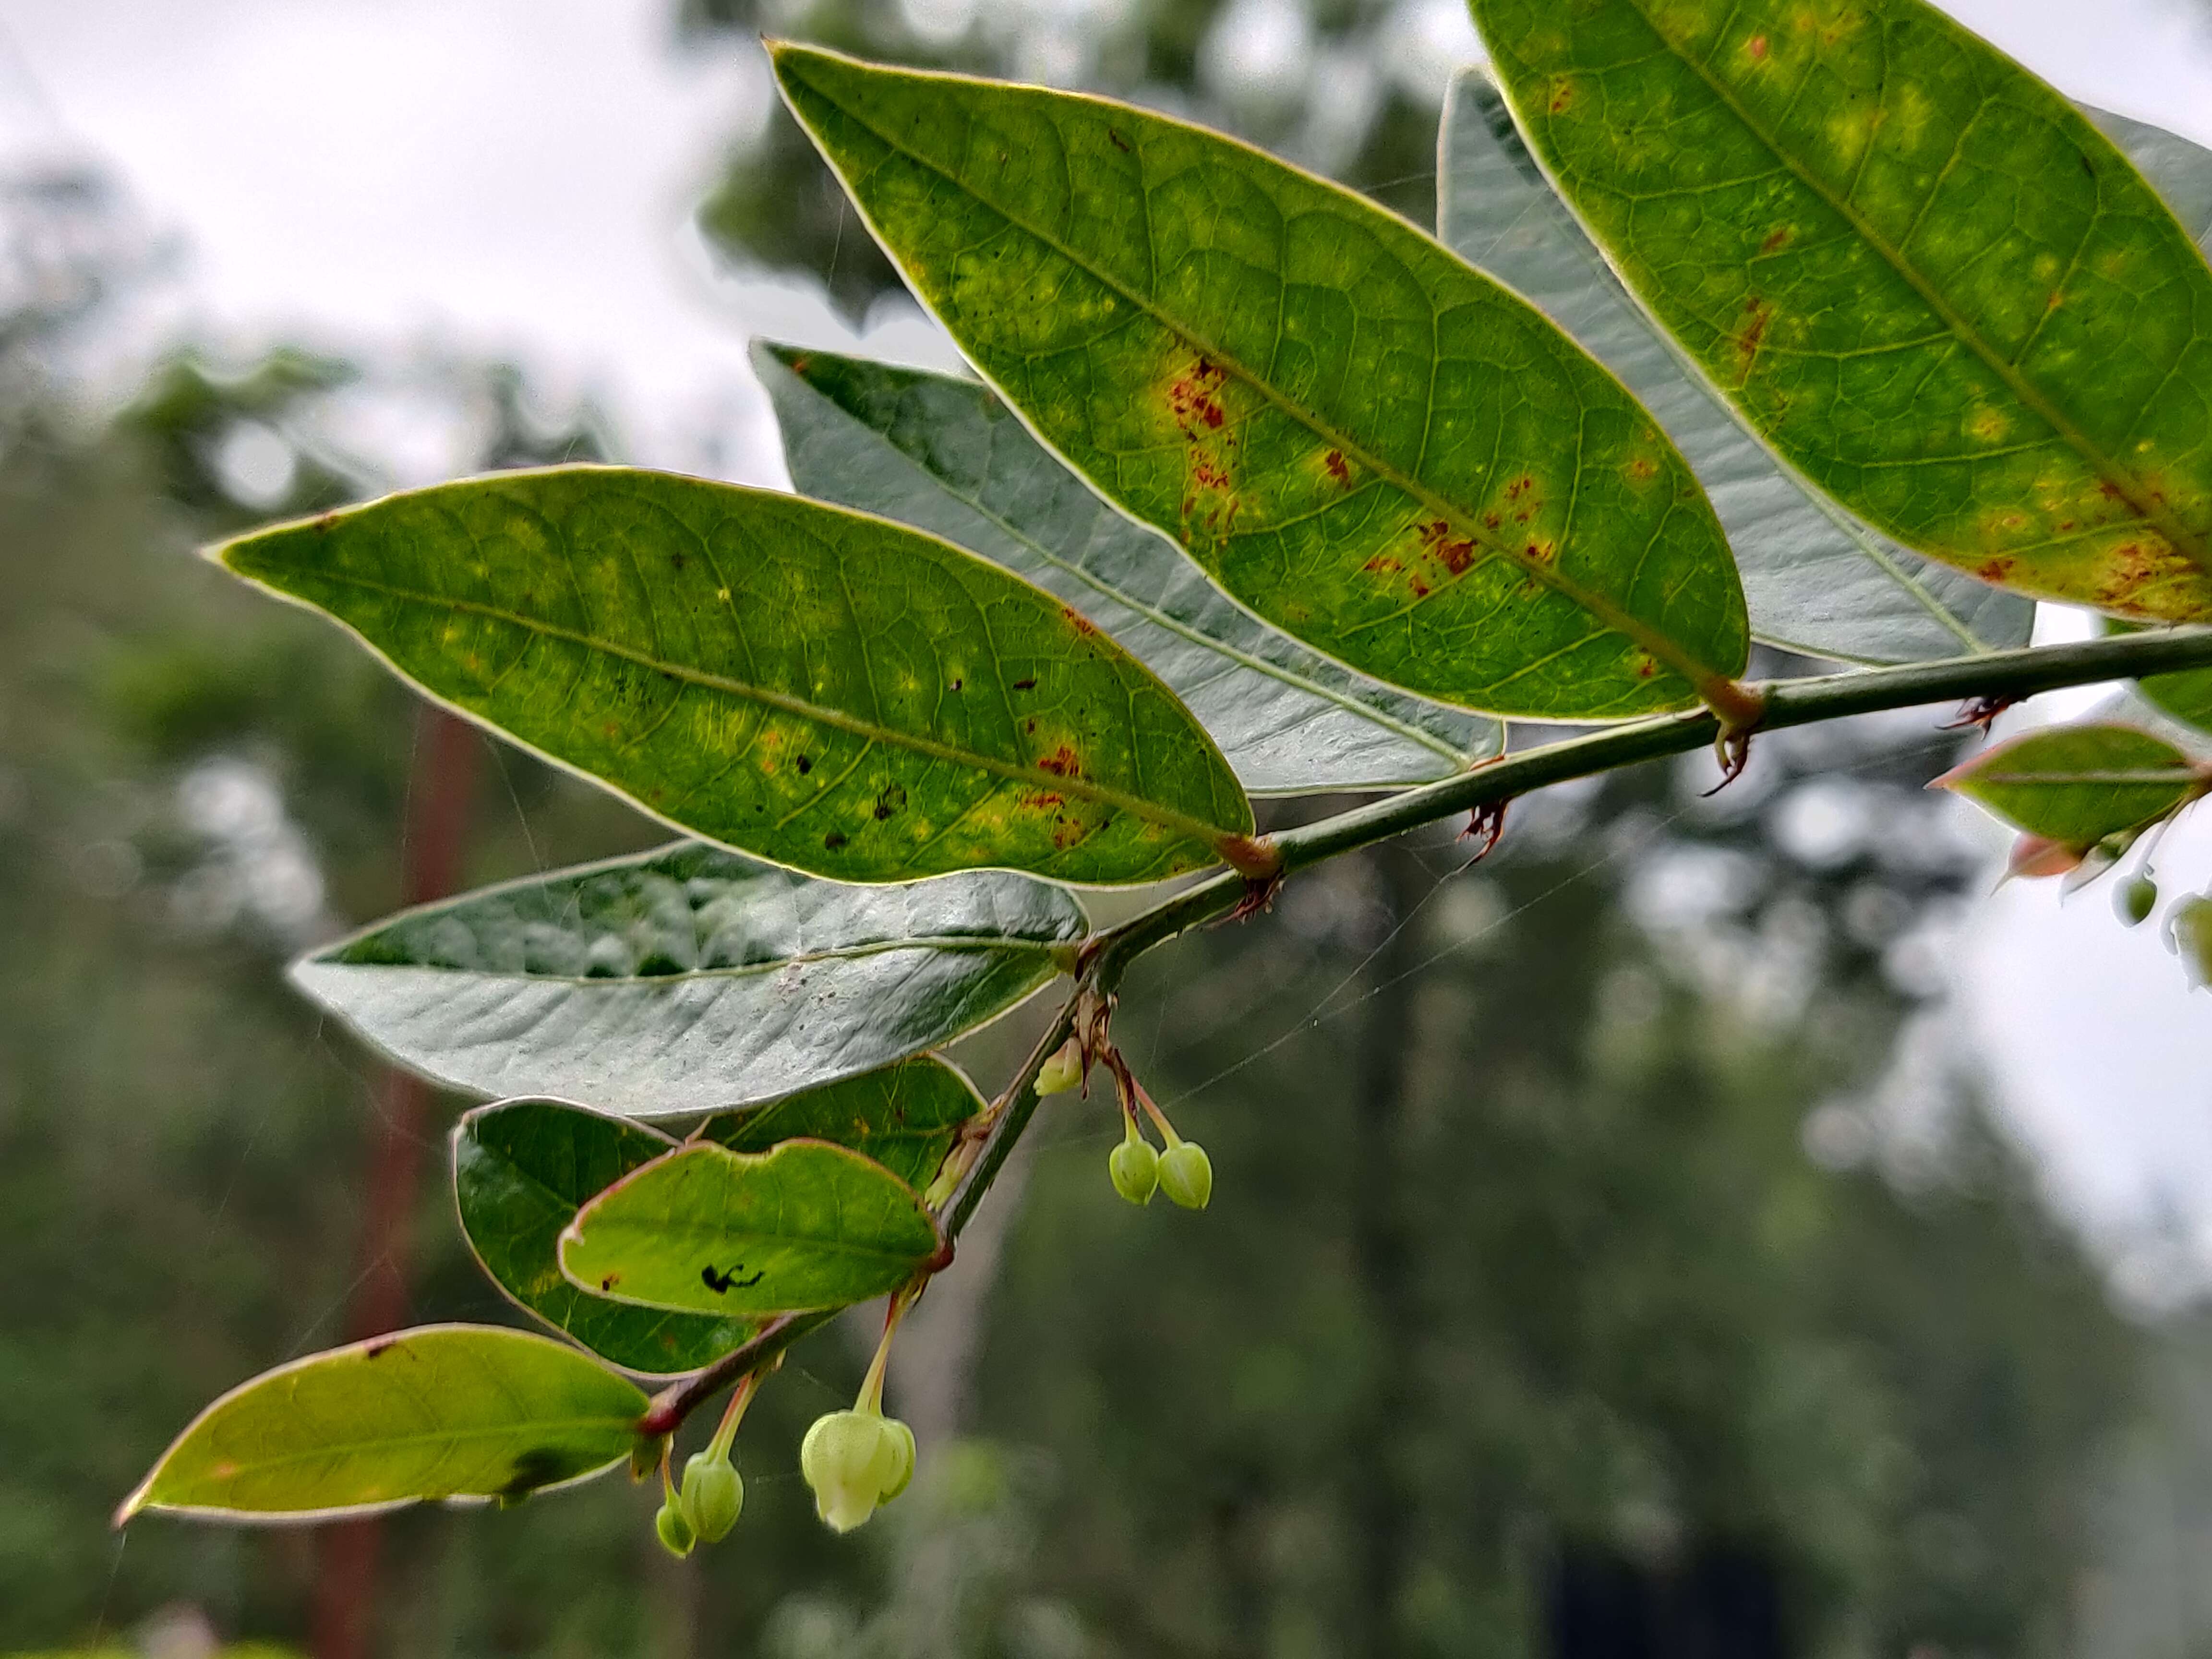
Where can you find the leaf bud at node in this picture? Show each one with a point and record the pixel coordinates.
(1187, 1175)
(2137, 900)
(675, 1530)
(1063, 1070)
(713, 1496)
(1135, 1168)
(901, 1440)
(848, 1458)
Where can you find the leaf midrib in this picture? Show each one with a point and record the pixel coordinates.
(1209, 835)
(1160, 618)
(965, 945)
(581, 1231)
(1700, 676)
(2188, 543)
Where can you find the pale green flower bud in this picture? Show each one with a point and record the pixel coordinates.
(1187, 1175)
(848, 1458)
(2192, 933)
(1063, 1070)
(1135, 1168)
(901, 1439)
(677, 1536)
(2137, 900)
(713, 1496)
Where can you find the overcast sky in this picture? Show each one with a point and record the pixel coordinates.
(516, 176)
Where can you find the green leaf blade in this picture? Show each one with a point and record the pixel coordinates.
(523, 1168)
(804, 1225)
(2074, 785)
(521, 1171)
(1939, 292)
(1373, 447)
(834, 693)
(690, 980)
(1814, 580)
(947, 456)
(441, 1412)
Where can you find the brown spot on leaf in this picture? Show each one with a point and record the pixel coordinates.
(1337, 469)
(804, 763)
(1563, 97)
(1456, 555)
(609, 1281)
(1118, 140)
(1757, 48)
(1757, 313)
(833, 840)
(1191, 400)
(1062, 763)
(1381, 563)
(378, 1348)
(1775, 240)
(890, 800)
(1993, 570)
(1643, 469)
(1028, 684)
(1081, 623)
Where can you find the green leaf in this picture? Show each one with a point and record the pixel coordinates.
(688, 978)
(521, 1171)
(1941, 294)
(804, 1225)
(947, 456)
(2074, 785)
(2186, 697)
(1378, 450)
(444, 1410)
(903, 1117)
(837, 694)
(523, 1168)
(1815, 580)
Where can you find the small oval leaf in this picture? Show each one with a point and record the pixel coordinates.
(2074, 785)
(688, 980)
(1932, 285)
(804, 1225)
(1371, 446)
(833, 692)
(523, 1168)
(947, 456)
(442, 1411)
(1815, 579)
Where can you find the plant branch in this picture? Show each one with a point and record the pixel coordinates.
(2005, 675)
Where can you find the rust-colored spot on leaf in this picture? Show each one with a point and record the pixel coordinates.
(1062, 763)
(1757, 47)
(1757, 313)
(1028, 684)
(1191, 400)
(1993, 570)
(1643, 469)
(1563, 97)
(1381, 564)
(1337, 468)
(1520, 487)
(1456, 555)
(1204, 469)
(1081, 623)
(1420, 589)
(1777, 240)
(799, 364)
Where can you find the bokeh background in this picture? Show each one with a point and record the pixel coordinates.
(1711, 1227)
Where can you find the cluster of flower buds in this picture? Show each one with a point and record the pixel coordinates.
(713, 1495)
(1181, 1171)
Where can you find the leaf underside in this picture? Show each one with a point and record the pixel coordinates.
(1815, 580)
(2076, 785)
(1372, 446)
(1930, 283)
(523, 1168)
(804, 1225)
(835, 693)
(445, 1411)
(947, 455)
(688, 978)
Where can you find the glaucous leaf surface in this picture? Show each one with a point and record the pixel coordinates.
(840, 694)
(1932, 285)
(688, 978)
(2074, 785)
(443, 1411)
(1815, 580)
(806, 1224)
(948, 456)
(1374, 448)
